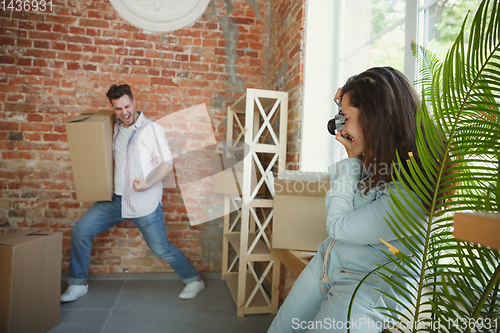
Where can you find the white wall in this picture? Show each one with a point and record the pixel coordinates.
(320, 84)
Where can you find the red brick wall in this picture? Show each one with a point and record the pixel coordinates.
(286, 66)
(54, 65)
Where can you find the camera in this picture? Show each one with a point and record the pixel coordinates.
(337, 122)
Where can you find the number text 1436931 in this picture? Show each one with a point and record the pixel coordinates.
(26, 5)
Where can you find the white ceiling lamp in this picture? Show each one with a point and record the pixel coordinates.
(160, 15)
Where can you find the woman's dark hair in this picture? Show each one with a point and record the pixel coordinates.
(116, 92)
(388, 106)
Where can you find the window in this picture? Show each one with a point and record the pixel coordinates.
(345, 37)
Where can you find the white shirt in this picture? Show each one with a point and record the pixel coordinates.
(121, 142)
(147, 148)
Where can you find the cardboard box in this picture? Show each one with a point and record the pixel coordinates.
(30, 281)
(227, 181)
(478, 227)
(299, 221)
(90, 138)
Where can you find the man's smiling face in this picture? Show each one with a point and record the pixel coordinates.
(124, 108)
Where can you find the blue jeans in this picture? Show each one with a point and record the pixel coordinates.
(106, 214)
(307, 309)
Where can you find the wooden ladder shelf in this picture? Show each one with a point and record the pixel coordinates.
(259, 118)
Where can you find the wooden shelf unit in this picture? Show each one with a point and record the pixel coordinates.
(259, 120)
(294, 261)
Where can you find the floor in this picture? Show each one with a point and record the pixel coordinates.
(149, 303)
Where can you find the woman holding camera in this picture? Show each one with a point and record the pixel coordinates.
(380, 109)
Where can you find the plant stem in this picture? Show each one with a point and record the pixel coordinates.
(495, 293)
(495, 279)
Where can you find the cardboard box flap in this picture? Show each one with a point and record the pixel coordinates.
(15, 235)
(81, 117)
(91, 116)
(310, 176)
(105, 112)
(225, 164)
(228, 175)
(21, 236)
(301, 188)
(42, 232)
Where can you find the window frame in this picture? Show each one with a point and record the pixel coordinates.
(318, 150)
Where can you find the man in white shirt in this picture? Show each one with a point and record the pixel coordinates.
(142, 160)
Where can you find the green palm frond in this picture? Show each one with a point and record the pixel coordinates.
(458, 144)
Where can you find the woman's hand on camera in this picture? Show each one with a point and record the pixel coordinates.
(348, 146)
(338, 96)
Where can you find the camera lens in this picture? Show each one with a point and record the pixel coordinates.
(331, 126)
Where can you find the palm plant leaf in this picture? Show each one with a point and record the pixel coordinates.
(458, 144)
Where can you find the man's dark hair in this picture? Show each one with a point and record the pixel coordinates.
(116, 92)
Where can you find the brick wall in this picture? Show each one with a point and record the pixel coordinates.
(286, 66)
(56, 64)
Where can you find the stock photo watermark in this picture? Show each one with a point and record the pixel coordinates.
(366, 324)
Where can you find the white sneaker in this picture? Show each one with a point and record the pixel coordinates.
(191, 290)
(73, 292)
